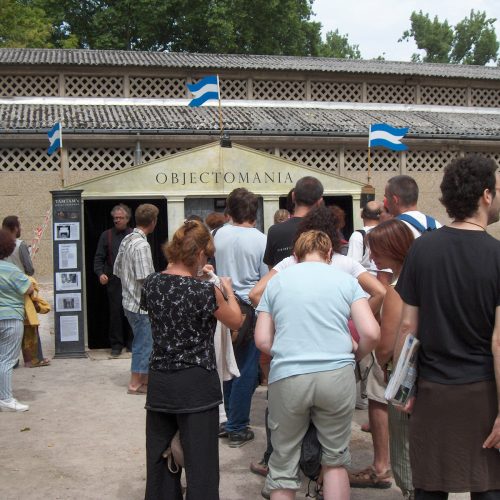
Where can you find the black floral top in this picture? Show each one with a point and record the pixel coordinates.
(181, 310)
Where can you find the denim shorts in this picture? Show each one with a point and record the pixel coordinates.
(142, 343)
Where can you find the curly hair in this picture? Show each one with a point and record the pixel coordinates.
(321, 218)
(187, 242)
(392, 238)
(464, 182)
(7, 243)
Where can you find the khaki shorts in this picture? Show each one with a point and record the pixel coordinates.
(326, 398)
(375, 384)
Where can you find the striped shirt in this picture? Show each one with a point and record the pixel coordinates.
(133, 265)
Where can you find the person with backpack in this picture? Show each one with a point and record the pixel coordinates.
(401, 198)
(302, 323)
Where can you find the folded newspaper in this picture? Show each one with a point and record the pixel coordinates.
(401, 385)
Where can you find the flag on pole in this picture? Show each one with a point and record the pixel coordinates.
(385, 136)
(55, 138)
(205, 89)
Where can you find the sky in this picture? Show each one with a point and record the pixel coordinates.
(376, 25)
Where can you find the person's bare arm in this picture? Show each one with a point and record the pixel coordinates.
(367, 327)
(264, 332)
(257, 291)
(374, 288)
(409, 324)
(228, 312)
(493, 440)
(391, 318)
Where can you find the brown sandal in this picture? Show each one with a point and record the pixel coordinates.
(368, 478)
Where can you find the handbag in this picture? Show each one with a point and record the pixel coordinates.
(245, 332)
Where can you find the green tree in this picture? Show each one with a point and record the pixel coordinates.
(337, 45)
(472, 41)
(475, 40)
(23, 25)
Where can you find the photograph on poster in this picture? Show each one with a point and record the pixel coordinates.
(69, 328)
(68, 302)
(68, 281)
(67, 256)
(66, 231)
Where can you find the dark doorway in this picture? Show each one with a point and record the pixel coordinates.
(344, 202)
(97, 220)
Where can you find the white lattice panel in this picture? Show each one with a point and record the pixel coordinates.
(103, 160)
(397, 94)
(28, 160)
(322, 159)
(233, 89)
(150, 87)
(339, 92)
(155, 153)
(93, 86)
(428, 161)
(356, 160)
(488, 98)
(29, 85)
(279, 90)
(444, 96)
(494, 156)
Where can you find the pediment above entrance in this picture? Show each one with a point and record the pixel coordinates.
(212, 170)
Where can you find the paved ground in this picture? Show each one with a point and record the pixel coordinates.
(83, 437)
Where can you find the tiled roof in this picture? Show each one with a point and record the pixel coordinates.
(202, 62)
(91, 119)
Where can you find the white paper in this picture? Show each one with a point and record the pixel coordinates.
(69, 328)
(68, 281)
(67, 256)
(66, 231)
(68, 302)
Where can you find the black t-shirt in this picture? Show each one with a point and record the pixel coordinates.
(280, 240)
(453, 277)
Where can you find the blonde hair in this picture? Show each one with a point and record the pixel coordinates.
(281, 215)
(311, 242)
(187, 242)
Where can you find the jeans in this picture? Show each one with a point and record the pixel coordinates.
(142, 343)
(239, 391)
(11, 335)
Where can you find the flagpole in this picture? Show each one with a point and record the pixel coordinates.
(369, 155)
(221, 126)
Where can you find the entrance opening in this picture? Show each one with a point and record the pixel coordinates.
(97, 220)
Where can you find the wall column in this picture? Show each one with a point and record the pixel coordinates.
(270, 205)
(175, 214)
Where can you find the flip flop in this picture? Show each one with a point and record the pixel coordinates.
(140, 391)
(44, 362)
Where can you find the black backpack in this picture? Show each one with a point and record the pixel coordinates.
(310, 454)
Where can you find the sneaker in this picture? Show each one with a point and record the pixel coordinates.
(260, 468)
(266, 492)
(237, 439)
(222, 430)
(12, 405)
(115, 352)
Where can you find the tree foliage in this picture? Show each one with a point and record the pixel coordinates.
(472, 41)
(281, 27)
(337, 45)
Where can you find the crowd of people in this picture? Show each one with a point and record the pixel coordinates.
(322, 321)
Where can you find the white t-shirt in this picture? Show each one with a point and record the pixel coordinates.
(355, 251)
(340, 261)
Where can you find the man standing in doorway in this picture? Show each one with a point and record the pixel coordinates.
(307, 194)
(450, 286)
(104, 260)
(239, 250)
(133, 265)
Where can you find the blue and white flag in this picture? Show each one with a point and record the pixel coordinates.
(385, 136)
(205, 89)
(55, 138)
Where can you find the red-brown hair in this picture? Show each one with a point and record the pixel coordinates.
(391, 238)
